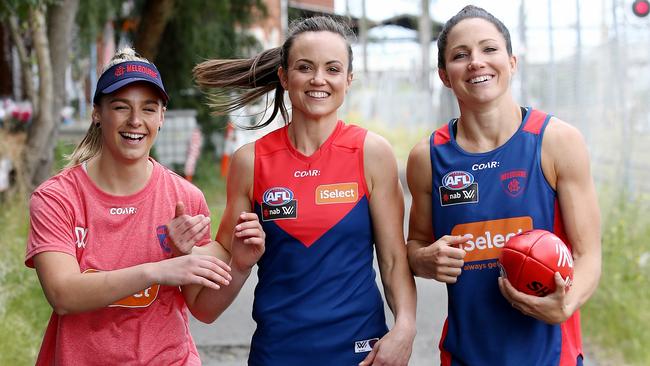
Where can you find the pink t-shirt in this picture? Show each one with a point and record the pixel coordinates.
(70, 214)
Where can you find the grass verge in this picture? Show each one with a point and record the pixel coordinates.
(616, 318)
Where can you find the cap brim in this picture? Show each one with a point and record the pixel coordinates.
(121, 83)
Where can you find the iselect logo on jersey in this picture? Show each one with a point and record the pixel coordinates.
(490, 236)
(458, 187)
(337, 193)
(278, 204)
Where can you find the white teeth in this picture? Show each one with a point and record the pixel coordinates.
(317, 94)
(480, 79)
(136, 136)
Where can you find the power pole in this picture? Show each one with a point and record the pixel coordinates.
(425, 43)
(284, 19)
(551, 89)
(363, 34)
(577, 71)
(523, 75)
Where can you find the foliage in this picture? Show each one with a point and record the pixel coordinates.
(20, 8)
(91, 17)
(213, 187)
(616, 317)
(184, 47)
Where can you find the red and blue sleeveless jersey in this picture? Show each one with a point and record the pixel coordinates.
(316, 301)
(493, 196)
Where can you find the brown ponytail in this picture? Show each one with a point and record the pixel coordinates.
(251, 79)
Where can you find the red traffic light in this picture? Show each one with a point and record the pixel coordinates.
(641, 8)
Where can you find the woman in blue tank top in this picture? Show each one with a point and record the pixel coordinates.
(496, 170)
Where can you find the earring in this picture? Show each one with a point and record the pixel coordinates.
(158, 128)
(97, 124)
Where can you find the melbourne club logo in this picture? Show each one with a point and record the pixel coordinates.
(514, 182)
(278, 204)
(119, 71)
(458, 187)
(162, 233)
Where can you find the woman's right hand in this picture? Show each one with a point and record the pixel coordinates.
(248, 242)
(441, 260)
(204, 270)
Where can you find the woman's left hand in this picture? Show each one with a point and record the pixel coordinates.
(185, 230)
(394, 348)
(551, 308)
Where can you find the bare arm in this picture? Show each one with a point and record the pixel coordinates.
(69, 291)
(441, 260)
(239, 241)
(565, 162)
(387, 211)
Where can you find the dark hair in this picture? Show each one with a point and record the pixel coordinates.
(470, 11)
(252, 78)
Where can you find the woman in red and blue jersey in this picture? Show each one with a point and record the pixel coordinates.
(327, 194)
(496, 170)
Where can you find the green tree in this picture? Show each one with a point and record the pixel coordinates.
(42, 33)
(217, 37)
(48, 25)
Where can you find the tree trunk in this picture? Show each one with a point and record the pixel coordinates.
(61, 16)
(25, 66)
(155, 16)
(38, 153)
(6, 81)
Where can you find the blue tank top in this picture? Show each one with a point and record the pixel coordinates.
(316, 302)
(493, 196)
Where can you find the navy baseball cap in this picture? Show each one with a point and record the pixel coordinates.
(125, 73)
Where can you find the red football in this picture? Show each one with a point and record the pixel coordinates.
(530, 259)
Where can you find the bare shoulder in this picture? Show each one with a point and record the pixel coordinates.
(419, 159)
(377, 145)
(242, 167)
(420, 151)
(380, 165)
(561, 136)
(562, 140)
(245, 155)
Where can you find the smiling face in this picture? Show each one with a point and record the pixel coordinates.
(129, 118)
(478, 66)
(317, 75)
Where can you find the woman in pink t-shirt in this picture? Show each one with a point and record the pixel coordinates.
(101, 237)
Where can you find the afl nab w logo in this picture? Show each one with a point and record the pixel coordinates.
(458, 187)
(278, 204)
